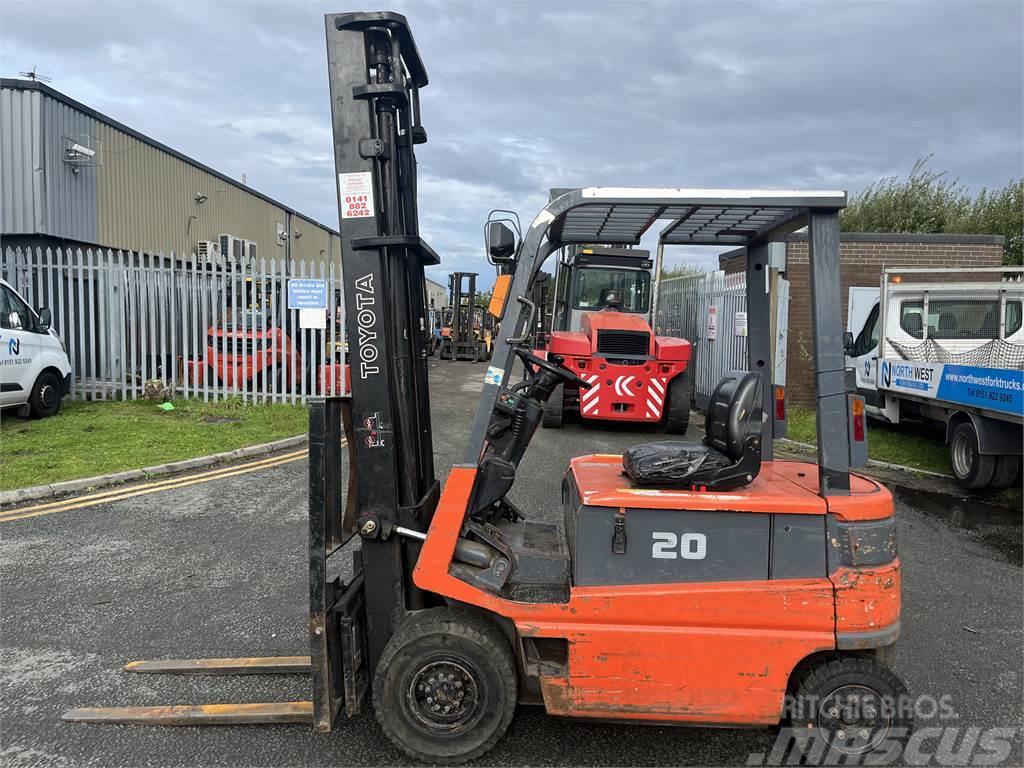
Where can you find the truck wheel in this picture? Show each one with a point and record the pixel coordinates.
(445, 687)
(971, 469)
(552, 418)
(676, 418)
(45, 398)
(1006, 470)
(855, 703)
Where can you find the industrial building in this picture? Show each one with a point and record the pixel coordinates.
(437, 294)
(73, 177)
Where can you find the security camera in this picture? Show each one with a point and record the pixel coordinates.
(201, 198)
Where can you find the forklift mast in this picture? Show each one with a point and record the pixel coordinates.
(375, 75)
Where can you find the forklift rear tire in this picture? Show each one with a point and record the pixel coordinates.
(677, 410)
(1006, 471)
(971, 468)
(854, 702)
(552, 418)
(445, 687)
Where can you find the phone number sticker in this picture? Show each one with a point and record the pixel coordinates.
(356, 190)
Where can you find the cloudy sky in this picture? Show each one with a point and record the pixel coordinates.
(525, 96)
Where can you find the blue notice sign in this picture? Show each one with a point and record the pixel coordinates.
(307, 294)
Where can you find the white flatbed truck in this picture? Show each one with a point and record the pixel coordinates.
(952, 351)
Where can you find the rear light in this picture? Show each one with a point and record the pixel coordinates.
(859, 427)
(780, 403)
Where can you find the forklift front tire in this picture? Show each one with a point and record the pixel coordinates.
(445, 687)
(854, 702)
(552, 418)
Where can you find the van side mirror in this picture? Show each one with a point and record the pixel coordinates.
(45, 320)
(848, 343)
(501, 241)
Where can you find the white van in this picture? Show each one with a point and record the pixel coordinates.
(35, 372)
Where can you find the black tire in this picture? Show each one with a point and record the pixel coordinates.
(1006, 471)
(970, 468)
(46, 395)
(676, 418)
(553, 409)
(445, 657)
(854, 702)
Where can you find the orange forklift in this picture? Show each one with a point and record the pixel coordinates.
(697, 583)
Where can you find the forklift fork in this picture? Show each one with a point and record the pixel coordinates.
(337, 661)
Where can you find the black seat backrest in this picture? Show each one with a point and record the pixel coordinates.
(733, 412)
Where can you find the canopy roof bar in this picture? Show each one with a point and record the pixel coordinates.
(729, 217)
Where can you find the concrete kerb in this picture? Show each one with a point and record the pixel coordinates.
(36, 492)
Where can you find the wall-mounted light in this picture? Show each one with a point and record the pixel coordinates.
(200, 198)
(298, 234)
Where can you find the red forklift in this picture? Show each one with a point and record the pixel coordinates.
(600, 330)
(463, 336)
(698, 583)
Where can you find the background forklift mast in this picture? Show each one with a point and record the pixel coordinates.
(463, 338)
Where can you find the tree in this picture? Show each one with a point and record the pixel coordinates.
(926, 201)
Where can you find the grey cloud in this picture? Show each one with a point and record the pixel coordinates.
(528, 95)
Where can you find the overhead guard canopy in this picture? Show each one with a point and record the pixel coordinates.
(724, 217)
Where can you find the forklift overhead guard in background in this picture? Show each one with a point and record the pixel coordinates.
(757, 590)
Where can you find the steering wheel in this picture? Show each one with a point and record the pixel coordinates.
(562, 373)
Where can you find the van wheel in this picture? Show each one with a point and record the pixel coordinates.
(676, 418)
(855, 703)
(445, 688)
(971, 469)
(45, 398)
(553, 409)
(1006, 471)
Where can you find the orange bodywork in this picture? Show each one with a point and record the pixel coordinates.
(715, 653)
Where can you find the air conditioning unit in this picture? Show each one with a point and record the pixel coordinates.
(232, 248)
(208, 254)
(250, 251)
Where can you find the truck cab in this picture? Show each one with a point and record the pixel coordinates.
(600, 331)
(946, 346)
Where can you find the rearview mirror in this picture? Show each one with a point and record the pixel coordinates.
(501, 241)
(45, 320)
(848, 343)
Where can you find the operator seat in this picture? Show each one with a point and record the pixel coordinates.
(729, 455)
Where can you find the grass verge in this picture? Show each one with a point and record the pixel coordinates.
(911, 445)
(95, 438)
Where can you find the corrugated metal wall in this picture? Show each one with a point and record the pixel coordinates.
(69, 191)
(20, 156)
(140, 198)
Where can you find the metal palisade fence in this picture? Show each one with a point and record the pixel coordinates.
(710, 311)
(136, 321)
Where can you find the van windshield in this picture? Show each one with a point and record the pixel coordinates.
(633, 285)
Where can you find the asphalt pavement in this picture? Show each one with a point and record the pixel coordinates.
(218, 568)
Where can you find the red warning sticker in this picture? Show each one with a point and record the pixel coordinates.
(356, 195)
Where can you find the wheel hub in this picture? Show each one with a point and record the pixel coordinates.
(855, 718)
(444, 694)
(47, 395)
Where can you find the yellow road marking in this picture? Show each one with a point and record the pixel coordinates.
(155, 484)
(91, 500)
